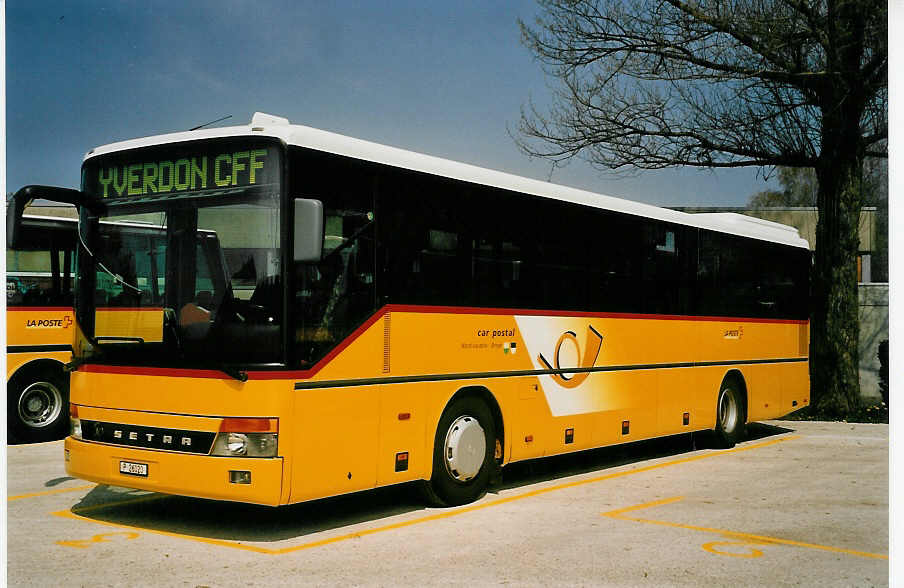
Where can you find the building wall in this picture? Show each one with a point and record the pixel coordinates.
(873, 330)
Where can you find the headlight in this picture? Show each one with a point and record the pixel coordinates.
(245, 445)
(75, 423)
(246, 437)
(75, 428)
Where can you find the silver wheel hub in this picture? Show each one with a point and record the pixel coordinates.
(40, 404)
(728, 411)
(465, 448)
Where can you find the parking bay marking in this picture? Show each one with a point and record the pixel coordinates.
(434, 517)
(102, 538)
(48, 492)
(747, 539)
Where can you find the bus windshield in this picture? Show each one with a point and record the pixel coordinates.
(194, 283)
(181, 269)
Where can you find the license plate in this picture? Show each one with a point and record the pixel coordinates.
(133, 469)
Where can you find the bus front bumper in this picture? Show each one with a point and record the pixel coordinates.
(200, 476)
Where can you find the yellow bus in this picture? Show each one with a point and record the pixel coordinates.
(39, 329)
(411, 319)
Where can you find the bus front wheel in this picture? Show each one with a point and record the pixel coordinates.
(731, 414)
(38, 405)
(463, 451)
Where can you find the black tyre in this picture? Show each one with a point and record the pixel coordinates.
(38, 405)
(731, 414)
(463, 451)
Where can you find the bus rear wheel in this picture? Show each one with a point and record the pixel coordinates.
(463, 451)
(731, 414)
(38, 405)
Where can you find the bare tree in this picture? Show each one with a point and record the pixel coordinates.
(729, 83)
(799, 188)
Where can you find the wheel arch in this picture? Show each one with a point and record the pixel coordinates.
(37, 365)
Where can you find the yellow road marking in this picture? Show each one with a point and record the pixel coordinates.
(47, 492)
(434, 517)
(754, 552)
(748, 538)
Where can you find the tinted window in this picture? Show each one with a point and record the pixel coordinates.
(39, 272)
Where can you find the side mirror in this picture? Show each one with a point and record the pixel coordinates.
(308, 230)
(15, 206)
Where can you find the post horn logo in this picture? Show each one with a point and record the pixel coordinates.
(592, 345)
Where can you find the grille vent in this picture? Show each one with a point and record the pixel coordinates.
(179, 440)
(387, 319)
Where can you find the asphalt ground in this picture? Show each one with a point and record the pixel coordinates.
(797, 504)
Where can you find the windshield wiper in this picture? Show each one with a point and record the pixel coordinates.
(117, 279)
(235, 373)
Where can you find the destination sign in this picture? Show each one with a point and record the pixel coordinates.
(161, 172)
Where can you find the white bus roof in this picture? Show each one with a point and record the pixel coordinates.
(273, 126)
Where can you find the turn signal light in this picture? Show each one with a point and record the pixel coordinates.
(248, 425)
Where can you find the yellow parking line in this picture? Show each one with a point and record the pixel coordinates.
(433, 517)
(47, 492)
(750, 538)
(232, 544)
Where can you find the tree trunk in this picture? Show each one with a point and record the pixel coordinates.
(835, 326)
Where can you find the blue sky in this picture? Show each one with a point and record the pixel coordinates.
(443, 78)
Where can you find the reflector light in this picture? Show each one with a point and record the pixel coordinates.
(73, 411)
(401, 462)
(249, 425)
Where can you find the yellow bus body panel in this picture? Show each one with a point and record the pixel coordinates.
(39, 326)
(28, 329)
(380, 395)
(145, 323)
(174, 473)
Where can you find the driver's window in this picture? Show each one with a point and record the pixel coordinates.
(335, 295)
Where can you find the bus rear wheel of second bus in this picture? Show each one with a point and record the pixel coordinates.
(38, 405)
(463, 452)
(731, 416)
